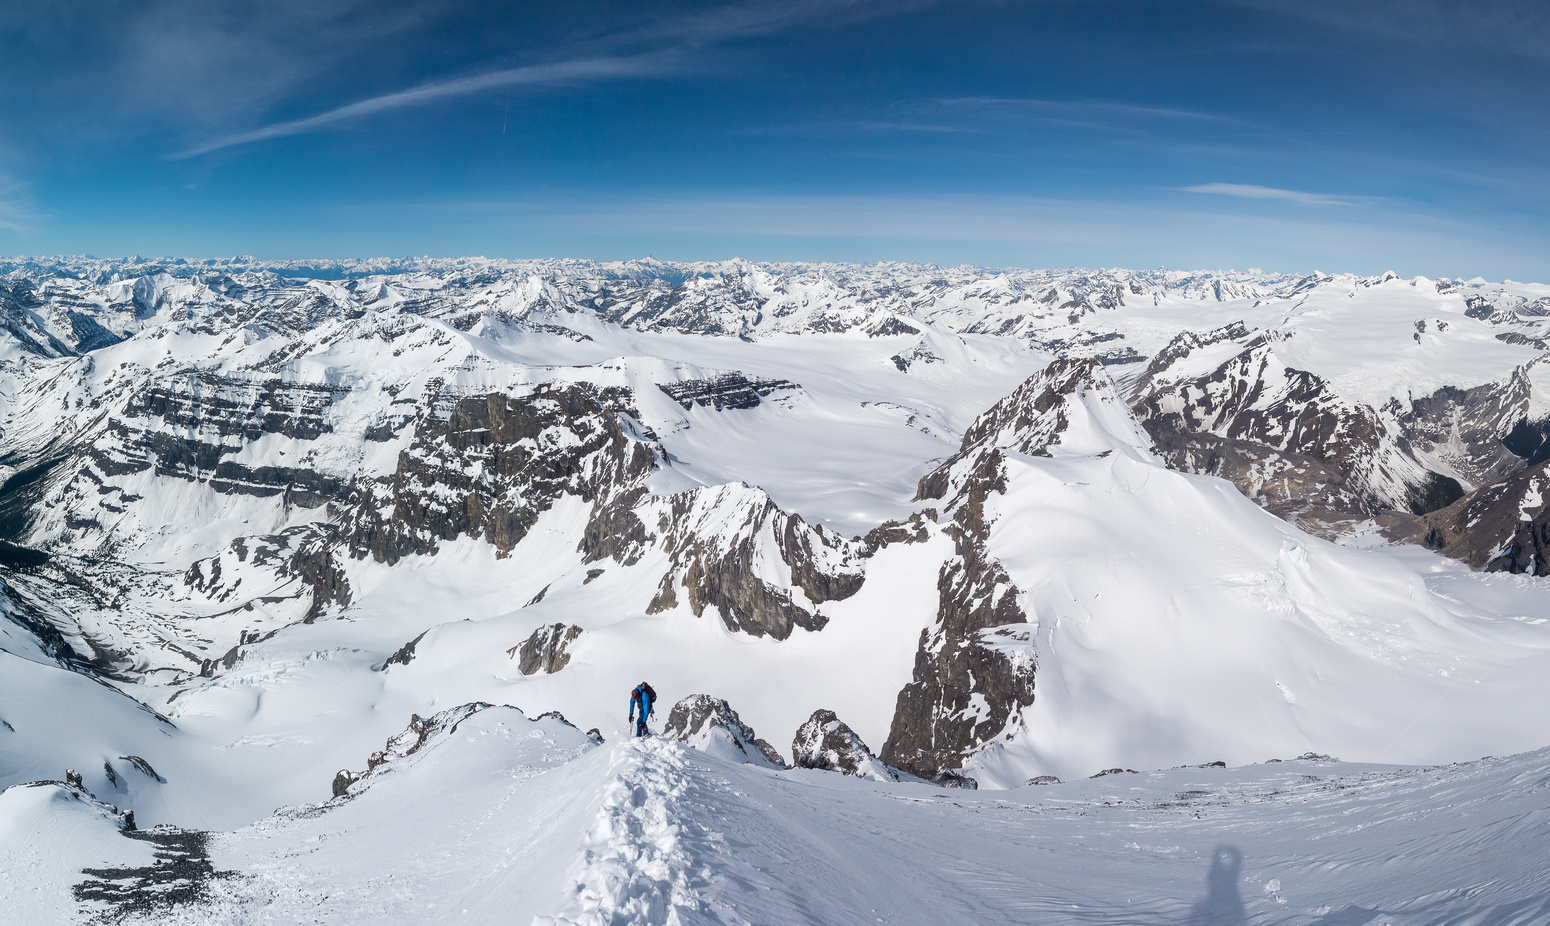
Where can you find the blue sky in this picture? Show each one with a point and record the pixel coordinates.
(1305, 135)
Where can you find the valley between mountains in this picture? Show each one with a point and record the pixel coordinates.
(971, 596)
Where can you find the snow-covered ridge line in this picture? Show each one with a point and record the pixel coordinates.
(516, 820)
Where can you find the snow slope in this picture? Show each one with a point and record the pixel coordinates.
(1177, 622)
(510, 820)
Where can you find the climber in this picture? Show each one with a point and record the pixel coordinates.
(646, 698)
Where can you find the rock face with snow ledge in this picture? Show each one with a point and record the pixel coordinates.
(974, 672)
(491, 467)
(711, 725)
(726, 544)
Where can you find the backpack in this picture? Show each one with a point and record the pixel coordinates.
(650, 694)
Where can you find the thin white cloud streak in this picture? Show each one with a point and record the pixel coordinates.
(1250, 191)
(974, 115)
(721, 25)
(16, 212)
(540, 75)
(1082, 107)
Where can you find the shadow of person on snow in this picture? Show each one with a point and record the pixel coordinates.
(1223, 905)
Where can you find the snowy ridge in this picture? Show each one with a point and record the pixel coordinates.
(553, 830)
(635, 868)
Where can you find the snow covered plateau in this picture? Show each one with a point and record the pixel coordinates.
(971, 596)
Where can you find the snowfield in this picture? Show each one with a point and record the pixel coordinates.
(1019, 592)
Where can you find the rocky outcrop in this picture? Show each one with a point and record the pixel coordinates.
(491, 466)
(974, 669)
(1273, 422)
(912, 530)
(711, 725)
(726, 542)
(728, 390)
(1500, 527)
(826, 742)
(404, 654)
(343, 779)
(907, 360)
(420, 732)
(545, 650)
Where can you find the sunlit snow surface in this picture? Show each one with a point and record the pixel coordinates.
(1172, 621)
(513, 821)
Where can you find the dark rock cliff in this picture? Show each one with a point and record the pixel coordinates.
(1503, 526)
(491, 467)
(974, 670)
(545, 650)
(964, 689)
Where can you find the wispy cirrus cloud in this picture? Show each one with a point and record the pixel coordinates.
(984, 115)
(1077, 108)
(17, 210)
(1250, 191)
(669, 40)
(538, 76)
(1517, 27)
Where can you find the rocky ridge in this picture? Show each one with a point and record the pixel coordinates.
(974, 670)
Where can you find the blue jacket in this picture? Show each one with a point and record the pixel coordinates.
(639, 696)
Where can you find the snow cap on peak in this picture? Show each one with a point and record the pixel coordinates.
(1070, 407)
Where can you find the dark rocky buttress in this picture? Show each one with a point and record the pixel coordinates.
(492, 466)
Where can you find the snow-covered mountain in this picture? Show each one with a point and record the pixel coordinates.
(942, 527)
